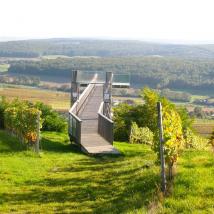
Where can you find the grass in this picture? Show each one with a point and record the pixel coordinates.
(4, 67)
(58, 100)
(193, 185)
(63, 180)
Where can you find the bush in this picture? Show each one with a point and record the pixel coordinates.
(124, 115)
(22, 121)
(53, 121)
(140, 135)
(3, 106)
(194, 141)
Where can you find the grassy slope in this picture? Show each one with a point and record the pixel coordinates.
(193, 185)
(64, 180)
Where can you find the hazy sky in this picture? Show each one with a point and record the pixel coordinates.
(175, 20)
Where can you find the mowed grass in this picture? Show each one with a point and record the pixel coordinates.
(4, 67)
(63, 180)
(193, 187)
(58, 100)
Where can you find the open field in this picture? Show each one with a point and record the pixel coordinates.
(204, 127)
(63, 180)
(58, 100)
(4, 67)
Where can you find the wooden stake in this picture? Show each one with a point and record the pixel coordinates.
(160, 124)
(38, 133)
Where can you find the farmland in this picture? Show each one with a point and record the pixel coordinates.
(58, 100)
(4, 67)
(204, 127)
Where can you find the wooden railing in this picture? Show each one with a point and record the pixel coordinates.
(74, 126)
(105, 125)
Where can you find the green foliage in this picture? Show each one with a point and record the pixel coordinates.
(166, 72)
(52, 120)
(3, 105)
(146, 116)
(172, 125)
(22, 121)
(187, 121)
(194, 141)
(124, 115)
(140, 135)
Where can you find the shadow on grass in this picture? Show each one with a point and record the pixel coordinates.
(10, 144)
(101, 185)
(58, 147)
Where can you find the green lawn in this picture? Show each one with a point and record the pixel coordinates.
(63, 180)
(193, 189)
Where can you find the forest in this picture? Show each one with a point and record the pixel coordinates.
(102, 48)
(155, 72)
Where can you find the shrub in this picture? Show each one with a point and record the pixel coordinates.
(3, 105)
(140, 135)
(53, 121)
(124, 115)
(194, 141)
(22, 121)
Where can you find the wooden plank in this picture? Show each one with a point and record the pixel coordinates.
(91, 141)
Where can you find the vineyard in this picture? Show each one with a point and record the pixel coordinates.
(72, 182)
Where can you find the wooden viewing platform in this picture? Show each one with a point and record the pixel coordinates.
(88, 126)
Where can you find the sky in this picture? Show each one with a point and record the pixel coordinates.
(150, 20)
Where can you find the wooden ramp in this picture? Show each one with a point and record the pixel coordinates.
(91, 141)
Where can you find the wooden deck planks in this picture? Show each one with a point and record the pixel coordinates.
(91, 141)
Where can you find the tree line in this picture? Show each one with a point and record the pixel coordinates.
(101, 48)
(155, 72)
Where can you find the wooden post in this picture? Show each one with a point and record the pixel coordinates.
(160, 124)
(38, 133)
(107, 94)
(74, 87)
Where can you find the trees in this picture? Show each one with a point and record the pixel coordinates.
(173, 73)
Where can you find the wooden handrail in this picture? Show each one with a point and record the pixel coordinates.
(74, 121)
(75, 108)
(105, 125)
(100, 112)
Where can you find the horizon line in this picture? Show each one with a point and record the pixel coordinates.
(148, 40)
